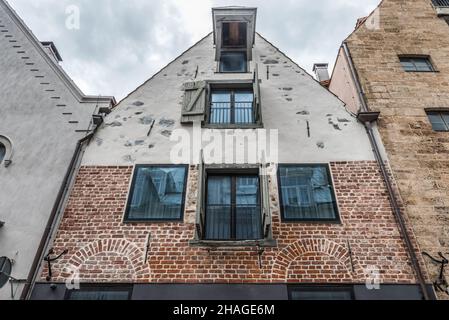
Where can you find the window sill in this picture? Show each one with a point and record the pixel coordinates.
(233, 126)
(266, 243)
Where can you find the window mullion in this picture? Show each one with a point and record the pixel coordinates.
(233, 107)
(233, 207)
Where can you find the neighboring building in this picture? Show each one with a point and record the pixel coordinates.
(313, 223)
(43, 115)
(396, 62)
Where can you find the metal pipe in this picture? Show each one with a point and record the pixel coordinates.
(392, 196)
(51, 221)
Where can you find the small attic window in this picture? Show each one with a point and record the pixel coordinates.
(416, 64)
(234, 34)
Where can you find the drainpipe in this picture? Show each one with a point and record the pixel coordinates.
(52, 220)
(393, 198)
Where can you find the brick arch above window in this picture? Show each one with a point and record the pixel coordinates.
(6, 151)
(113, 251)
(290, 255)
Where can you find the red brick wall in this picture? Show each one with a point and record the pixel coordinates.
(104, 249)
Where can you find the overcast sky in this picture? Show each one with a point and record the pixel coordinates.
(121, 43)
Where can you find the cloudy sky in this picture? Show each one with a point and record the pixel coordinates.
(121, 43)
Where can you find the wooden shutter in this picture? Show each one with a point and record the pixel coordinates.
(257, 101)
(265, 199)
(201, 200)
(194, 104)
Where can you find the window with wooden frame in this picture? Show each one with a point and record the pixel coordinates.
(232, 106)
(306, 193)
(233, 206)
(157, 193)
(233, 57)
(224, 104)
(233, 203)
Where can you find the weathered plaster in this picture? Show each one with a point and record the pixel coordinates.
(289, 101)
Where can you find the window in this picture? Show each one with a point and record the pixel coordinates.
(306, 193)
(100, 293)
(233, 210)
(232, 107)
(439, 120)
(416, 64)
(157, 193)
(321, 293)
(2, 152)
(231, 61)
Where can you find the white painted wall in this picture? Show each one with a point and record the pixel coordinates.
(290, 98)
(43, 143)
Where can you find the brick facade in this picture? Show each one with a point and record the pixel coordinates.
(418, 155)
(104, 249)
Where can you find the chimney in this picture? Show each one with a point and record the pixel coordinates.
(52, 51)
(322, 73)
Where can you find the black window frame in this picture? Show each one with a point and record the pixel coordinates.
(5, 150)
(439, 113)
(336, 220)
(416, 57)
(232, 173)
(320, 288)
(105, 287)
(232, 90)
(126, 218)
(245, 56)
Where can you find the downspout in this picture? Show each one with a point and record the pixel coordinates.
(393, 198)
(52, 220)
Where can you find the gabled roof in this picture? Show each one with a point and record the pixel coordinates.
(62, 75)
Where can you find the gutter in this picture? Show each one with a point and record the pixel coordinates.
(367, 117)
(63, 191)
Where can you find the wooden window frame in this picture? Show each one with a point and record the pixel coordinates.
(233, 174)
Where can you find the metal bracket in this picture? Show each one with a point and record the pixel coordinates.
(49, 259)
(441, 283)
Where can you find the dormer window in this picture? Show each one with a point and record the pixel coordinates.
(234, 36)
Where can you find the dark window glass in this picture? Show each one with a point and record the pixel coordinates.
(157, 193)
(232, 107)
(233, 62)
(233, 208)
(321, 293)
(234, 34)
(100, 294)
(306, 193)
(416, 64)
(2, 152)
(439, 120)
